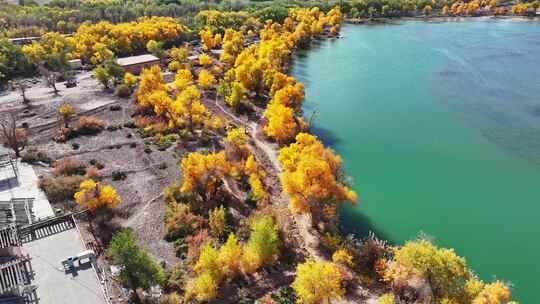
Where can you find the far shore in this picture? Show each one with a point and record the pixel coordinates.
(437, 18)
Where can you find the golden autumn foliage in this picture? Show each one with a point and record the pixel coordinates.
(203, 173)
(93, 195)
(203, 287)
(130, 80)
(311, 175)
(66, 111)
(188, 111)
(206, 79)
(233, 43)
(493, 293)
(216, 221)
(281, 123)
(208, 263)
(237, 95)
(212, 267)
(387, 298)
(446, 270)
(183, 79)
(91, 41)
(52, 45)
(151, 80)
(209, 40)
(342, 257)
(450, 279)
(179, 58)
(205, 60)
(229, 256)
(236, 145)
(318, 282)
(255, 178)
(263, 245)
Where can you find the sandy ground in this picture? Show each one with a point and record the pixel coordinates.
(42, 110)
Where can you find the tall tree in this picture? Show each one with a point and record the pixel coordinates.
(137, 268)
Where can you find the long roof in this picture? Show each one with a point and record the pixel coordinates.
(136, 59)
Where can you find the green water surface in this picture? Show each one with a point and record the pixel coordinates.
(439, 127)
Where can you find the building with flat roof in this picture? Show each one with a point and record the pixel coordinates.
(135, 64)
(16, 273)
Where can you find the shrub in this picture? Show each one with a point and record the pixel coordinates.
(130, 124)
(142, 122)
(122, 91)
(68, 166)
(180, 221)
(386, 298)
(118, 175)
(97, 163)
(284, 295)
(61, 188)
(115, 108)
(64, 134)
(216, 220)
(164, 142)
(33, 155)
(92, 173)
(89, 125)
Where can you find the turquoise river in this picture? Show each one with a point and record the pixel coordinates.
(438, 124)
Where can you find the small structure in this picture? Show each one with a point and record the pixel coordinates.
(75, 63)
(18, 211)
(16, 272)
(6, 161)
(24, 40)
(135, 64)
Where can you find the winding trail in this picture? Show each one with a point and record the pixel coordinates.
(301, 226)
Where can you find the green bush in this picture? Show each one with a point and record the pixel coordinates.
(119, 175)
(33, 156)
(59, 189)
(122, 91)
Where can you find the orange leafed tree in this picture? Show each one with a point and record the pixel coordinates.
(203, 174)
(311, 176)
(151, 81)
(93, 195)
(281, 123)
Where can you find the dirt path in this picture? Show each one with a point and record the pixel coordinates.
(301, 224)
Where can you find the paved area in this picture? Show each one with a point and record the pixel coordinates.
(26, 186)
(54, 285)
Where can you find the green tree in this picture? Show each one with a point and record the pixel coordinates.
(102, 76)
(138, 269)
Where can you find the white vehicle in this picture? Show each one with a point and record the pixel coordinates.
(87, 254)
(69, 263)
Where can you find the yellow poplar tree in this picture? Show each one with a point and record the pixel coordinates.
(92, 195)
(206, 79)
(203, 173)
(318, 282)
(310, 176)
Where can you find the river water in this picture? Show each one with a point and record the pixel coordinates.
(438, 124)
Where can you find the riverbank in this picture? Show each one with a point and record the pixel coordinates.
(397, 20)
(435, 136)
(268, 209)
